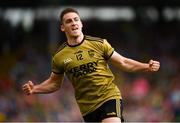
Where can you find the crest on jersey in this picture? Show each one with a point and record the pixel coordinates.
(91, 53)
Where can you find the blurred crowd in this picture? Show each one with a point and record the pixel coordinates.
(150, 97)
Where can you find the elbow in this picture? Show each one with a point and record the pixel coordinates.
(57, 85)
(53, 89)
(124, 66)
(127, 66)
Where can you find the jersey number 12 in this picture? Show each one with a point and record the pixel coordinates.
(79, 57)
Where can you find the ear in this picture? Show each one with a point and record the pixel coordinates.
(62, 28)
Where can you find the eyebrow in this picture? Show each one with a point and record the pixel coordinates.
(71, 19)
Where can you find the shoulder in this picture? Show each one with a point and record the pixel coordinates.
(94, 39)
(60, 48)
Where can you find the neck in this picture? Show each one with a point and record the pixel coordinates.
(74, 40)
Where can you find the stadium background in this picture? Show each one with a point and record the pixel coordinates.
(29, 34)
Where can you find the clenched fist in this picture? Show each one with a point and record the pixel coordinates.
(28, 88)
(154, 66)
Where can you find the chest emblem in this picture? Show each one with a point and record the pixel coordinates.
(91, 53)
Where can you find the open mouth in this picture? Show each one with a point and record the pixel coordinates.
(74, 29)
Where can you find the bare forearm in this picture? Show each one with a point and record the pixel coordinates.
(128, 64)
(45, 87)
(131, 65)
(50, 85)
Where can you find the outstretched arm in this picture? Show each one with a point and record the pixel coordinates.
(131, 65)
(50, 85)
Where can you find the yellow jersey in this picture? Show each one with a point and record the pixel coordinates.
(86, 67)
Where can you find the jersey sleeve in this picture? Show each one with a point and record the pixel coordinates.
(108, 49)
(57, 69)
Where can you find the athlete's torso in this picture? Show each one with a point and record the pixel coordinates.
(86, 67)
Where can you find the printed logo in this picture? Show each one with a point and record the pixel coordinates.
(67, 60)
(84, 69)
(91, 53)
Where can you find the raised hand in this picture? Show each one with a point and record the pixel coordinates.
(28, 88)
(154, 66)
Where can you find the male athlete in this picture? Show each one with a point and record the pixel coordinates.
(84, 61)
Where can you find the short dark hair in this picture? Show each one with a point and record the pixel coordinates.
(65, 11)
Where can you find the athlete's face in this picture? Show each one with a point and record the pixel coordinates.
(71, 24)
